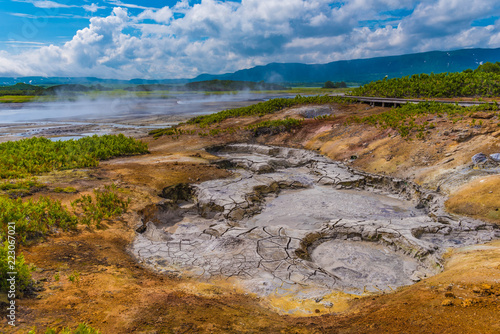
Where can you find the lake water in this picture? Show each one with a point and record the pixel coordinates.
(62, 120)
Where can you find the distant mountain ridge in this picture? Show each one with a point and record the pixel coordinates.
(52, 81)
(357, 70)
(365, 70)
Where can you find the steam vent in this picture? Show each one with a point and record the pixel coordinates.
(290, 222)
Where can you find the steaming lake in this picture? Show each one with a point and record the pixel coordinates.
(63, 120)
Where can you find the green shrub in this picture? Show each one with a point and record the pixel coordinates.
(74, 277)
(26, 184)
(23, 270)
(82, 328)
(34, 218)
(166, 132)
(67, 190)
(324, 117)
(106, 204)
(38, 155)
(259, 109)
(264, 108)
(461, 84)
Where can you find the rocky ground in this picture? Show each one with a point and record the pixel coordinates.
(118, 293)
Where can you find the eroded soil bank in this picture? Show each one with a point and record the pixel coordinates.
(118, 295)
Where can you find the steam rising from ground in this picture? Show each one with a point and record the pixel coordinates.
(132, 115)
(84, 108)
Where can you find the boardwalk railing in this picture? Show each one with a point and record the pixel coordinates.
(386, 102)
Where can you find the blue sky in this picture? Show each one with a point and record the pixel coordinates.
(181, 39)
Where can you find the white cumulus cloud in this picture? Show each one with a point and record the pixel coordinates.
(213, 36)
(46, 4)
(92, 7)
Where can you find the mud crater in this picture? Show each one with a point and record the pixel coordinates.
(291, 221)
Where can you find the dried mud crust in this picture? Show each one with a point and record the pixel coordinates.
(232, 228)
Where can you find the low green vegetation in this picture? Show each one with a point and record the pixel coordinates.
(328, 117)
(23, 270)
(21, 89)
(27, 92)
(16, 98)
(259, 109)
(482, 82)
(275, 126)
(20, 187)
(404, 118)
(82, 328)
(33, 156)
(105, 204)
(33, 219)
(74, 277)
(26, 221)
(67, 190)
(230, 85)
(174, 131)
(21, 93)
(264, 108)
(331, 84)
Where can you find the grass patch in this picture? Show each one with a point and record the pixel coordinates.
(17, 98)
(26, 184)
(324, 118)
(27, 220)
(74, 277)
(34, 218)
(166, 132)
(82, 328)
(105, 204)
(67, 190)
(265, 108)
(38, 155)
(15, 189)
(23, 270)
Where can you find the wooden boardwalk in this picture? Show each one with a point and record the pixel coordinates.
(388, 102)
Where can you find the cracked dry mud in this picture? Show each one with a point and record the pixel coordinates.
(293, 222)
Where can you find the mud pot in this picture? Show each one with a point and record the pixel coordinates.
(292, 222)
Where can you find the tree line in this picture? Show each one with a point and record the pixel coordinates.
(23, 89)
(484, 81)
